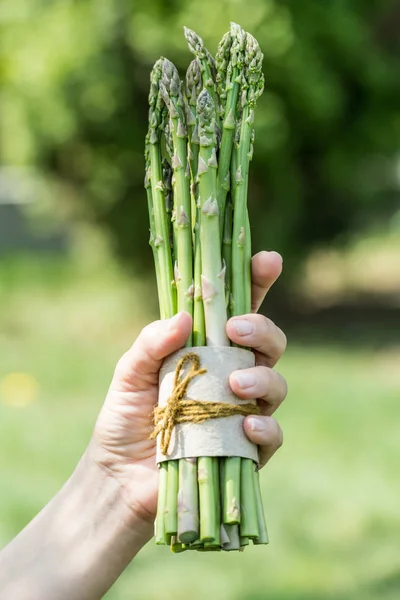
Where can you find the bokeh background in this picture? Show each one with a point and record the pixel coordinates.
(76, 279)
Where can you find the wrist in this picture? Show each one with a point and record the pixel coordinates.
(77, 546)
(137, 522)
(99, 534)
(103, 499)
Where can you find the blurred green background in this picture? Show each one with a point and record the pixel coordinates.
(76, 280)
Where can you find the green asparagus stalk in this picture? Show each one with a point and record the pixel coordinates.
(222, 60)
(161, 504)
(229, 62)
(247, 266)
(188, 502)
(208, 500)
(224, 536)
(193, 89)
(195, 545)
(212, 272)
(176, 546)
(249, 517)
(231, 491)
(169, 200)
(216, 543)
(230, 539)
(170, 87)
(232, 532)
(161, 241)
(171, 506)
(227, 253)
(147, 185)
(262, 527)
(217, 491)
(199, 332)
(207, 65)
(170, 207)
(252, 87)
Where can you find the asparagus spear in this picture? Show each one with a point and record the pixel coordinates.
(231, 491)
(193, 89)
(169, 200)
(177, 547)
(232, 532)
(207, 65)
(208, 500)
(249, 516)
(170, 87)
(199, 332)
(212, 278)
(188, 512)
(262, 527)
(247, 262)
(169, 203)
(227, 252)
(212, 271)
(216, 543)
(147, 185)
(171, 504)
(222, 59)
(161, 504)
(161, 232)
(252, 87)
(229, 62)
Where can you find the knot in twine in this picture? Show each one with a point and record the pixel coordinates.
(180, 410)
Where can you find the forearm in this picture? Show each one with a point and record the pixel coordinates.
(78, 544)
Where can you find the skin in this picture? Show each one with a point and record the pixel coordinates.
(83, 539)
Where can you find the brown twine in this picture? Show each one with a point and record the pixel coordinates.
(179, 410)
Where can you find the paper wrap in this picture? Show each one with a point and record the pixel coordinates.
(214, 437)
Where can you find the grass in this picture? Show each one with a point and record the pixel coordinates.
(331, 493)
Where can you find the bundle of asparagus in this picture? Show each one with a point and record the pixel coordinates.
(198, 149)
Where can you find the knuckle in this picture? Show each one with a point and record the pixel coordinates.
(263, 329)
(279, 341)
(284, 386)
(283, 341)
(280, 440)
(265, 379)
(122, 364)
(277, 434)
(148, 329)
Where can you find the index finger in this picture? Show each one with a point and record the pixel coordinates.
(265, 270)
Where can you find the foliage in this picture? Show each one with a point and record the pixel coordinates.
(74, 77)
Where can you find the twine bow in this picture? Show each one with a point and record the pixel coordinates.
(179, 410)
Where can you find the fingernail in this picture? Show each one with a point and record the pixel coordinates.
(245, 380)
(255, 424)
(243, 327)
(276, 254)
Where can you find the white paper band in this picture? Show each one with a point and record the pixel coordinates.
(214, 437)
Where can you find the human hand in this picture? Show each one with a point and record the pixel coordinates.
(121, 444)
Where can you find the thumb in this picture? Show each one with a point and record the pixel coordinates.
(139, 366)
